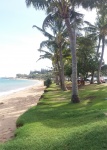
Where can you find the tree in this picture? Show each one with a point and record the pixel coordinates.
(104, 70)
(53, 56)
(86, 56)
(102, 20)
(57, 43)
(99, 30)
(65, 10)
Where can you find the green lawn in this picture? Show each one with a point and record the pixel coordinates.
(57, 124)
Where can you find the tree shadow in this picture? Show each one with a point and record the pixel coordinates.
(63, 116)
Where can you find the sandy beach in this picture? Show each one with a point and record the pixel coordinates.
(15, 104)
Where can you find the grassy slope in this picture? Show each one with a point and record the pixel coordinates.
(56, 124)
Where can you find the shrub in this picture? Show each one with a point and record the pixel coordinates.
(47, 82)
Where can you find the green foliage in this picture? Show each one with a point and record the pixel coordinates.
(47, 82)
(68, 70)
(43, 74)
(86, 55)
(56, 124)
(104, 70)
(21, 76)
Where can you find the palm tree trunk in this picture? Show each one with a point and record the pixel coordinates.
(59, 71)
(56, 76)
(72, 38)
(100, 63)
(63, 87)
(92, 78)
(98, 45)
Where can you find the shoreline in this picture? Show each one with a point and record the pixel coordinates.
(6, 93)
(15, 104)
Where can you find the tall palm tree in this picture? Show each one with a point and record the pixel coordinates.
(59, 31)
(55, 59)
(65, 10)
(102, 20)
(52, 54)
(56, 41)
(100, 31)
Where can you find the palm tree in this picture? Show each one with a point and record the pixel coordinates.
(53, 57)
(100, 31)
(57, 42)
(102, 19)
(65, 10)
(52, 54)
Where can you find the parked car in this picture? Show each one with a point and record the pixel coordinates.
(102, 79)
(89, 79)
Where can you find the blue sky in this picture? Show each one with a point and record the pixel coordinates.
(18, 40)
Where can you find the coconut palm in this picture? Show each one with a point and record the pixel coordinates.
(102, 19)
(58, 43)
(54, 58)
(52, 54)
(99, 33)
(59, 31)
(65, 10)
(99, 30)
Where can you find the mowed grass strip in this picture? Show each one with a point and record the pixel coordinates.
(57, 124)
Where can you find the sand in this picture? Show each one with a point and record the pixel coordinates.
(15, 104)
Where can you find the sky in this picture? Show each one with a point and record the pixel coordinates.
(19, 41)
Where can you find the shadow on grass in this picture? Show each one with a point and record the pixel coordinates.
(55, 110)
(60, 116)
(56, 124)
(92, 138)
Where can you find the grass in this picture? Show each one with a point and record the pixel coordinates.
(57, 124)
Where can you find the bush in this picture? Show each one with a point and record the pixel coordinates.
(47, 82)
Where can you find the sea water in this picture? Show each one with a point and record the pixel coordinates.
(10, 85)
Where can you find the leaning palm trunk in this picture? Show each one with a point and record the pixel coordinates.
(63, 87)
(92, 78)
(100, 63)
(72, 38)
(56, 80)
(98, 45)
(59, 73)
(56, 76)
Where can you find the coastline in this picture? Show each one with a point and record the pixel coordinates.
(20, 89)
(15, 104)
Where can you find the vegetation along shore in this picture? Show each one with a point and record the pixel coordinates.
(55, 124)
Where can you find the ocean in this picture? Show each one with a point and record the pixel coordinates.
(10, 85)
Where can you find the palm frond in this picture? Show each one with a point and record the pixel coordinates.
(90, 3)
(38, 4)
(89, 24)
(48, 44)
(90, 29)
(48, 20)
(47, 55)
(44, 32)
